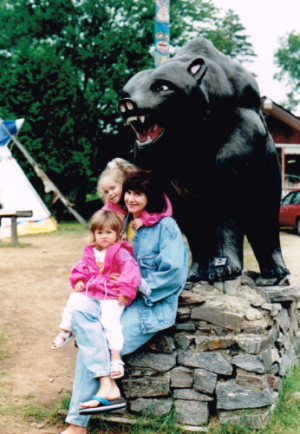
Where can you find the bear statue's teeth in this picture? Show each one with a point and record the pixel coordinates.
(131, 119)
(145, 132)
(135, 118)
(144, 142)
(149, 136)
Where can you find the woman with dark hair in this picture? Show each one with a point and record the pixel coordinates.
(162, 258)
(145, 182)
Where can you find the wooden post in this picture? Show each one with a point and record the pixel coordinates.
(13, 215)
(14, 233)
(283, 169)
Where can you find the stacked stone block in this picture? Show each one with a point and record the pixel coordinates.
(226, 354)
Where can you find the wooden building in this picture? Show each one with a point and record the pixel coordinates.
(284, 127)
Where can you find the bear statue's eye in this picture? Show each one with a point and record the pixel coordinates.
(160, 87)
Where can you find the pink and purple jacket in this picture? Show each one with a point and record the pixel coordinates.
(149, 219)
(118, 259)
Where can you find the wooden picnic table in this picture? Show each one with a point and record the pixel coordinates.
(14, 215)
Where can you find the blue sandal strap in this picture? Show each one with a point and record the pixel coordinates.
(101, 400)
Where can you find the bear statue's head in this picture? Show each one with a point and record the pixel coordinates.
(162, 105)
(177, 105)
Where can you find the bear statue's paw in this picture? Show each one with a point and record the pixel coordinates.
(196, 273)
(221, 273)
(281, 280)
(273, 276)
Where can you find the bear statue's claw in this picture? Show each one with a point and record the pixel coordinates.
(196, 274)
(275, 281)
(222, 273)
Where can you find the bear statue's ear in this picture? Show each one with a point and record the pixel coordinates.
(197, 69)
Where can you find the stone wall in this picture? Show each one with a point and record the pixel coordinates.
(226, 354)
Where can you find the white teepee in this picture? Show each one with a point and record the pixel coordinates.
(16, 191)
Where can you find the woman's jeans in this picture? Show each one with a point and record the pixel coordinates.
(93, 359)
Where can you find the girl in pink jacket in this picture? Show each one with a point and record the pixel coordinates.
(95, 276)
(110, 190)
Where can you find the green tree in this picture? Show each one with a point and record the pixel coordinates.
(64, 62)
(287, 58)
(222, 28)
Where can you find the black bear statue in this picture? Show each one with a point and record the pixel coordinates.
(199, 127)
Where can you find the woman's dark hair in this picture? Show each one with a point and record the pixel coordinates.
(144, 182)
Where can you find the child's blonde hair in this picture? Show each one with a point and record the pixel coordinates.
(104, 218)
(117, 169)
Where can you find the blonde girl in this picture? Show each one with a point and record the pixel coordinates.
(110, 184)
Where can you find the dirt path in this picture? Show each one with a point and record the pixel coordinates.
(33, 290)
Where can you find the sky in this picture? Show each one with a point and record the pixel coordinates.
(265, 21)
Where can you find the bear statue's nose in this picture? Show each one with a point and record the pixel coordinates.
(126, 105)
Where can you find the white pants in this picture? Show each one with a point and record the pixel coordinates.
(110, 312)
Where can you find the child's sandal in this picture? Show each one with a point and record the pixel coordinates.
(117, 366)
(61, 339)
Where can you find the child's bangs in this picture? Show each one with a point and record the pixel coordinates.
(106, 219)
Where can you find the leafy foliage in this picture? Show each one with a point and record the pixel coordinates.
(64, 62)
(287, 58)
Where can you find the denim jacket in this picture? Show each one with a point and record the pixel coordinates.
(162, 257)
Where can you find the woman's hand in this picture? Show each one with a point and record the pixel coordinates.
(137, 223)
(123, 299)
(79, 286)
(113, 277)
